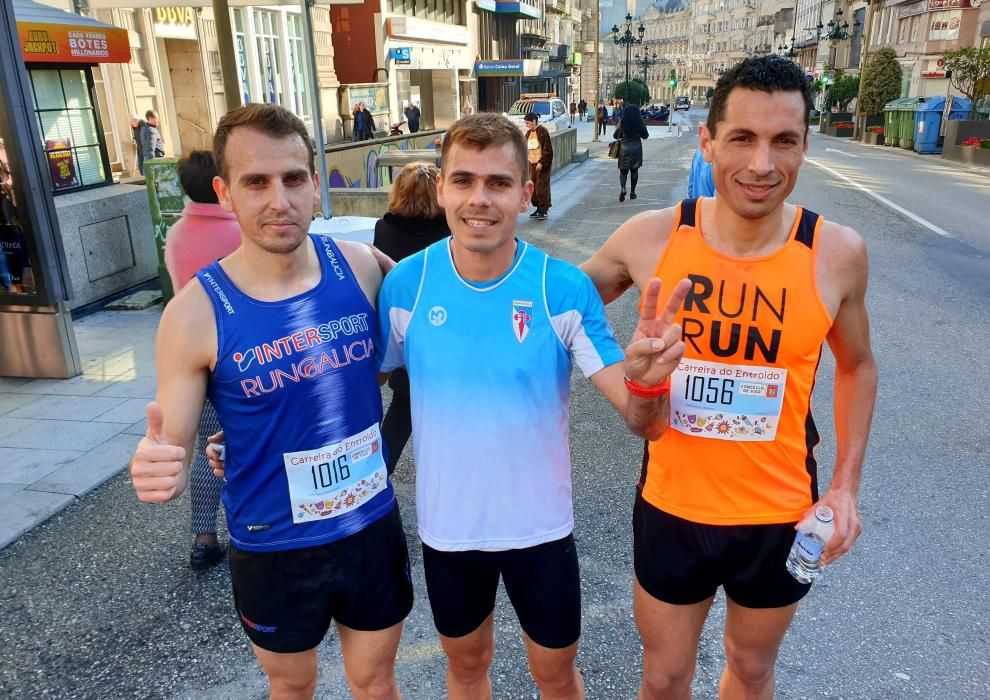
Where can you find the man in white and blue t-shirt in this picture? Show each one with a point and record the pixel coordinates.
(488, 328)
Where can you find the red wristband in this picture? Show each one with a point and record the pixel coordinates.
(648, 392)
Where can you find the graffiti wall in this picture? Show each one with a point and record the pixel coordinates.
(354, 165)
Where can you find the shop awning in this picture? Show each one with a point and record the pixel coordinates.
(50, 35)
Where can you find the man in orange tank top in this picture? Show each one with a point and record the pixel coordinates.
(725, 484)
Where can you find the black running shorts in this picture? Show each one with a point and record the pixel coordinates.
(286, 600)
(682, 562)
(542, 582)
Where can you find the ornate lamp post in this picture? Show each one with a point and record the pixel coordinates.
(646, 61)
(628, 39)
(788, 50)
(837, 31)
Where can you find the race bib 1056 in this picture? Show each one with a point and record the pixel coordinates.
(726, 402)
(336, 479)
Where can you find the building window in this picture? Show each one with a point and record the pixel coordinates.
(266, 36)
(240, 45)
(297, 67)
(66, 114)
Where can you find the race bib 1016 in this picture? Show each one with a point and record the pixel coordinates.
(726, 402)
(336, 479)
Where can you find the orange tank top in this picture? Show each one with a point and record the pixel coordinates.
(740, 447)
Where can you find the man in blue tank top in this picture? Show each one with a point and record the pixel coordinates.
(488, 328)
(280, 336)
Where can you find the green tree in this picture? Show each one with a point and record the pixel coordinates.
(970, 68)
(843, 90)
(881, 82)
(634, 92)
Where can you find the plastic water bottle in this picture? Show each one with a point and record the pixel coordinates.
(806, 552)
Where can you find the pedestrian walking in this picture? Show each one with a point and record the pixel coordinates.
(315, 531)
(412, 115)
(138, 127)
(467, 109)
(573, 112)
(363, 123)
(630, 134)
(540, 156)
(583, 110)
(699, 525)
(369, 123)
(152, 143)
(203, 234)
(414, 220)
(602, 120)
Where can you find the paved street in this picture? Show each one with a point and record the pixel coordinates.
(99, 602)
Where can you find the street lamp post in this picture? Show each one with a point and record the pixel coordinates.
(788, 50)
(628, 39)
(837, 31)
(646, 61)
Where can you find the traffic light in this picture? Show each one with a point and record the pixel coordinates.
(673, 78)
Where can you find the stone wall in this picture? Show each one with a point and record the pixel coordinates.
(108, 239)
(958, 131)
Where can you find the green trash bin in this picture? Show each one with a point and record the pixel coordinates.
(906, 123)
(167, 199)
(891, 122)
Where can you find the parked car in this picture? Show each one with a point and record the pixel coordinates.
(552, 110)
(658, 113)
(682, 102)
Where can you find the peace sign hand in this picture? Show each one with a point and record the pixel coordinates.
(656, 348)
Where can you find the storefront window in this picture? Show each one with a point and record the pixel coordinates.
(266, 34)
(16, 272)
(297, 67)
(242, 62)
(67, 120)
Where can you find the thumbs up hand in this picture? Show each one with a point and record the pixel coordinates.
(157, 468)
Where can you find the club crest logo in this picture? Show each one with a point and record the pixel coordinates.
(522, 314)
(438, 315)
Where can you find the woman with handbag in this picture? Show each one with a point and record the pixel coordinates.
(630, 134)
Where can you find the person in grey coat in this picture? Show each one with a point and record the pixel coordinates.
(630, 134)
(152, 144)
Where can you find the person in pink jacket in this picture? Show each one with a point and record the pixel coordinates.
(203, 234)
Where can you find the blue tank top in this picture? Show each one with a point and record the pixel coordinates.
(295, 388)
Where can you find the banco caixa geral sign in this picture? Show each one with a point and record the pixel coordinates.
(497, 68)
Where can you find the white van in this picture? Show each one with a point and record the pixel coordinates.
(552, 110)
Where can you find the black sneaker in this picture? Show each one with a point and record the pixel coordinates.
(535, 214)
(541, 216)
(632, 195)
(204, 556)
(622, 196)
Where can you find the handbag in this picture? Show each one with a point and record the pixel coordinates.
(613, 149)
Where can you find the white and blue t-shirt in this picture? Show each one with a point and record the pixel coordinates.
(489, 372)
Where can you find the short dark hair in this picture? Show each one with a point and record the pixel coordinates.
(532, 117)
(270, 120)
(766, 74)
(150, 113)
(196, 173)
(482, 130)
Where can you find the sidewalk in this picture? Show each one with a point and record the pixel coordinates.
(60, 439)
